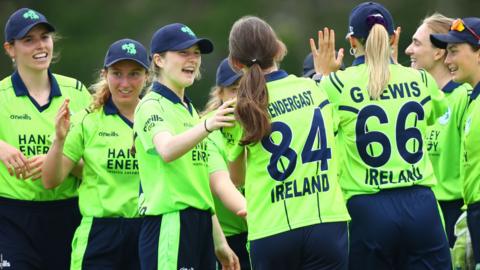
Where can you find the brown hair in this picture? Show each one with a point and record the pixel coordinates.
(253, 43)
(377, 59)
(100, 91)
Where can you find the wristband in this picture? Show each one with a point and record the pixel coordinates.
(205, 126)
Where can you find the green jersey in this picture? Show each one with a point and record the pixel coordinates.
(444, 143)
(217, 161)
(291, 176)
(383, 139)
(110, 184)
(176, 185)
(27, 126)
(471, 181)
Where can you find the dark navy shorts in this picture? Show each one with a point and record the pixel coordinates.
(451, 211)
(238, 243)
(106, 243)
(316, 247)
(177, 240)
(397, 229)
(473, 221)
(37, 235)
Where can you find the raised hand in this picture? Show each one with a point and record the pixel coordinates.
(62, 121)
(324, 59)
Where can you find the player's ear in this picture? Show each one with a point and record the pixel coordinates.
(8, 47)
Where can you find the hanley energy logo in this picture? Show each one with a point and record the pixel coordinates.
(4, 263)
(31, 15)
(130, 48)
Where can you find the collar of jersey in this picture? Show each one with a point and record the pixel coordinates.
(475, 92)
(276, 75)
(21, 90)
(170, 95)
(361, 60)
(450, 86)
(110, 109)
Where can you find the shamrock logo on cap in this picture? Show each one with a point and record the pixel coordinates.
(31, 15)
(187, 30)
(130, 48)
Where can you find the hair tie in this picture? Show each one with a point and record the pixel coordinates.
(253, 62)
(375, 19)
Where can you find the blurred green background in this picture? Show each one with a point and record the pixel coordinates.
(88, 27)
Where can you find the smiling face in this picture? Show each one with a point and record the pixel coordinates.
(463, 63)
(178, 69)
(421, 51)
(34, 51)
(126, 80)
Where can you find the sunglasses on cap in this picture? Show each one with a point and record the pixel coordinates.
(458, 25)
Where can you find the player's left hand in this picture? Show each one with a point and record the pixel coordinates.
(324, 59)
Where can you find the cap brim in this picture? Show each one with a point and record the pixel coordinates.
(205, 45)
(127, 58)
(442, 40)
(230, 80)
(25, 30)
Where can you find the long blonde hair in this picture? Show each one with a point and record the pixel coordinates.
(438, 23)
(377, 59)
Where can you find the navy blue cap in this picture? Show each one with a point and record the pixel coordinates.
(126, 49)
(364, 16)
(176, 37)
(226, 76)
(454, 36)
(22, 21)
(309, 68)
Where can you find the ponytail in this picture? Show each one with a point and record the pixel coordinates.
(251, 108)
(377, 59)
(101, 93)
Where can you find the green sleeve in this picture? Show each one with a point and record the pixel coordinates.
(74, 143)
(331, 86)
(438, 101)
(85, 97)
(462, 105)
(216, 161)
(232, 136)
(150, 120)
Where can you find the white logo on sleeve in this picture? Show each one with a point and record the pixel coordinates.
(4, 263)
(444, 118)
(467, 125)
